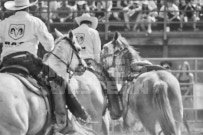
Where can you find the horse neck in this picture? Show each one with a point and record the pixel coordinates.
(57, 65)
(124, 63)
(121, 69)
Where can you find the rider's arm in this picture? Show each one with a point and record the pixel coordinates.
(45, 38)
(97, 46)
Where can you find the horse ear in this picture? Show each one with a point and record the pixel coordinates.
(58, 33)
(116, 36)
(71, 34)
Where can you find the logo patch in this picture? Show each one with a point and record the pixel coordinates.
(16, 31)
(80, 37)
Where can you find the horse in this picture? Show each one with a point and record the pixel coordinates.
(152, 96)
(88, 89)
(23, 112)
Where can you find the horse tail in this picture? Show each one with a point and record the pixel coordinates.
(163, 108)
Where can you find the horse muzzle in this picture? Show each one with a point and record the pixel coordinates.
(80, 69)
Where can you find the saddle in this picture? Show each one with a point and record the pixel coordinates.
(137, 70)
(22, 74)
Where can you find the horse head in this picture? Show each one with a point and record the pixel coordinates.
(66, 54)
(117, 55)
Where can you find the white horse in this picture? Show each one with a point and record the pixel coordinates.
(24, 112)
(88, 90)
(154, 96)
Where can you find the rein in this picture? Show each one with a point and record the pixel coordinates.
(67, 65)
(114, 55)
(74, 50)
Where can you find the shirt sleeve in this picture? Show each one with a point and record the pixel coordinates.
(45, 38)
(97, 46)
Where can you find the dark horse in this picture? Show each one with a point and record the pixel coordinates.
(153, 97)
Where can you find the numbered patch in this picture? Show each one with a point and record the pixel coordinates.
(80, 37)
(16, 31)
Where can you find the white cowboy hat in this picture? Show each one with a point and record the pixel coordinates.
(18, 4)
(81, 2)
(87, 17)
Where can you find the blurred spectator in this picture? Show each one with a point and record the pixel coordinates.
(186, 77)
(116, 10)
(42, 11)
(71, 2)
(167, 65)
(53, 6)
(189, 13)
(90, 4)
(99, 11)
(132, 12)
(148, 14)
(159, 4)
(186, 80)
(33, 9)
(65, 12)
(1, 12)
(80, 8)
(6, 13)
(173, 19)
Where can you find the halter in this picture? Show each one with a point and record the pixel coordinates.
(114, 55)
(74, 50)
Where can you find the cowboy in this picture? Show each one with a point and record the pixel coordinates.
(88, 37)
(21, 34)
(90, 42)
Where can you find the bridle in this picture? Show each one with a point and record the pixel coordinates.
(114, 55)
(74, 50)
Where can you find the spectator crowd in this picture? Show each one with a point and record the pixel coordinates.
(136, 15)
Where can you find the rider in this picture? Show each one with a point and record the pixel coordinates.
(21, 34)
(88, 37)
(90, 42)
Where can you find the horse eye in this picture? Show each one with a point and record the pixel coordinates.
(78, 49)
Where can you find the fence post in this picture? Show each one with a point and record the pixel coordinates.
(48, 13)
(165, 38)
(106, 21)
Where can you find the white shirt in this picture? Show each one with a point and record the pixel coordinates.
(23, 32)
(173, 10)
(90, 42)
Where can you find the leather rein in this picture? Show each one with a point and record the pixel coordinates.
(74, 50)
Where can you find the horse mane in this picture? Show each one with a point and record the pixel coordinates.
(132, 54)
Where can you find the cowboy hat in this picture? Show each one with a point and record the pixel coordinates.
(87, 17)
(18, 4)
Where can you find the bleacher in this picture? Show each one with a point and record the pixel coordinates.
(157, 44)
